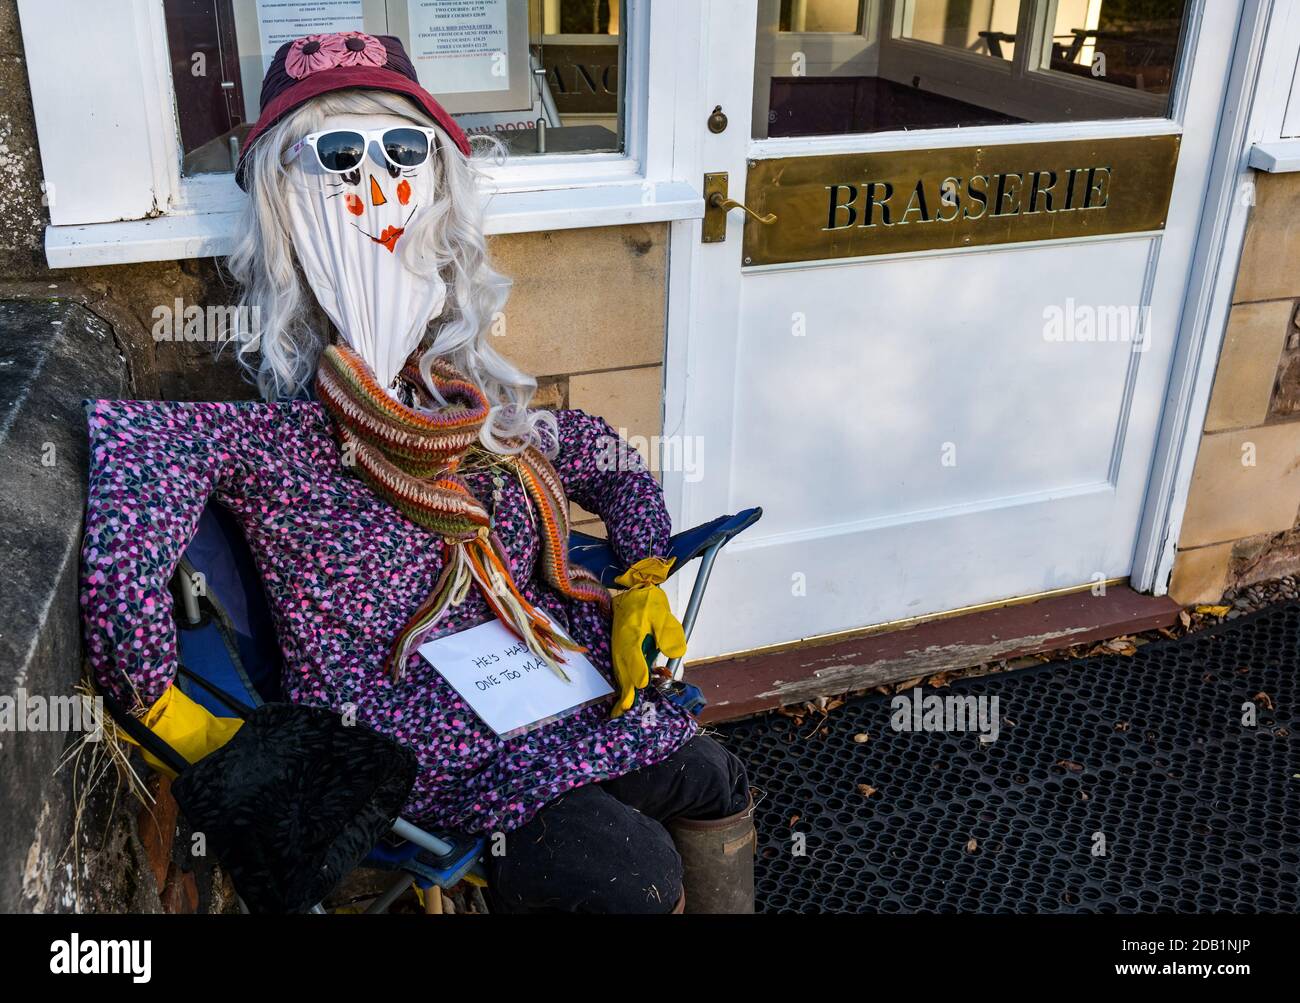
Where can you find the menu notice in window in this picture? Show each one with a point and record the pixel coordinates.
(459, 46)
(279, 21)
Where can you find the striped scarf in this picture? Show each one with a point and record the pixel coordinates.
(410, 458)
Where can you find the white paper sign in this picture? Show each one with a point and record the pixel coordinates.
(279, 22)
(460, 45)
(506, 685)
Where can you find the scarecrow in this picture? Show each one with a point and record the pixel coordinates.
(396, 489)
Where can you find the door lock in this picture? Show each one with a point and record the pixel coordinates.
(717, 205)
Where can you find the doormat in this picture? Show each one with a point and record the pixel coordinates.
(1167, 781)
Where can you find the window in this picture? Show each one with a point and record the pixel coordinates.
(1123, 43)
(983, 26)
(174, 99)
(926, 64)
(543, 75)
(830, 16)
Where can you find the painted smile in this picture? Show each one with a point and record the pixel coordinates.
(390, 235)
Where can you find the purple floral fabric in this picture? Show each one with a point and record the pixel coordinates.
(343, 571)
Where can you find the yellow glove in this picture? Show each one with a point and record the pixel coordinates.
(189, 728)
(641, 611)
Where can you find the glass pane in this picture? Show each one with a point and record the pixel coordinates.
(984, 26)
(580, 49)
(839, 16)
(545, 76)
(1125, 43)
(937, 64)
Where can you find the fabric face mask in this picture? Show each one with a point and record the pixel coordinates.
(347, 230)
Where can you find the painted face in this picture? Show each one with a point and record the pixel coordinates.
(347, 230)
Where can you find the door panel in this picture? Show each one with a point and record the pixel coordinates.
(968, 404)
(936, 449)
(932, 430)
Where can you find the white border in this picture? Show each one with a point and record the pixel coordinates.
(1281, 157)
(212, 233)
(1263, 66)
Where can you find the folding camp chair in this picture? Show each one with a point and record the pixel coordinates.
(227, 642)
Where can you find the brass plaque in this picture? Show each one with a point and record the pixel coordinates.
(858, 204)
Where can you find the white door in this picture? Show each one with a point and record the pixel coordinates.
(932, 429)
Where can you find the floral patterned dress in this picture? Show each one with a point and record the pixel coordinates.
(343, 571)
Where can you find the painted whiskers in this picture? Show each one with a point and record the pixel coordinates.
(410, 458)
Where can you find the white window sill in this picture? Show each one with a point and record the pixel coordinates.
(1280, 157)
(204, 234)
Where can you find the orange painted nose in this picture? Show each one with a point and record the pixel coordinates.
(376, 196)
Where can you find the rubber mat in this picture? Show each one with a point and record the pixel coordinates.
(1114, 785)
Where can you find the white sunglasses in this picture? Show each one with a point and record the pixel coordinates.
(339, 151)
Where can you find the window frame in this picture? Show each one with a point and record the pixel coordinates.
(988, 74)
(108, 85)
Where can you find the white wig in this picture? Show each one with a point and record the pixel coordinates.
(446, 237)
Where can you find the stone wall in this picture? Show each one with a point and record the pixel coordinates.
(1241, 525)
(70, 837)
(586, 317)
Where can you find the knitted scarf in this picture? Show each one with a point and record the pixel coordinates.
(410, 456)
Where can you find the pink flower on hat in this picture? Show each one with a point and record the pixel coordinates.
(360, 49)
(313, 53)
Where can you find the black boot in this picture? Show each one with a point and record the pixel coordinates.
(717, 861)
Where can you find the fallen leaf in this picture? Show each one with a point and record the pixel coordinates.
(861, 737)
(866, 790)
(1068, 764)
(1121, 726)
(1265, 699)
(1184, 618)
(1214, 610)
(1115, 646)
(794, 819)
(972, 846)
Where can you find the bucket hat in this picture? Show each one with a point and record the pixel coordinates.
(313, 65)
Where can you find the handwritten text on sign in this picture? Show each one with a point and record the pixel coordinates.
(506, 685)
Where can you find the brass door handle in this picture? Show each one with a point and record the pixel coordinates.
(720, 201)
(717, 205)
